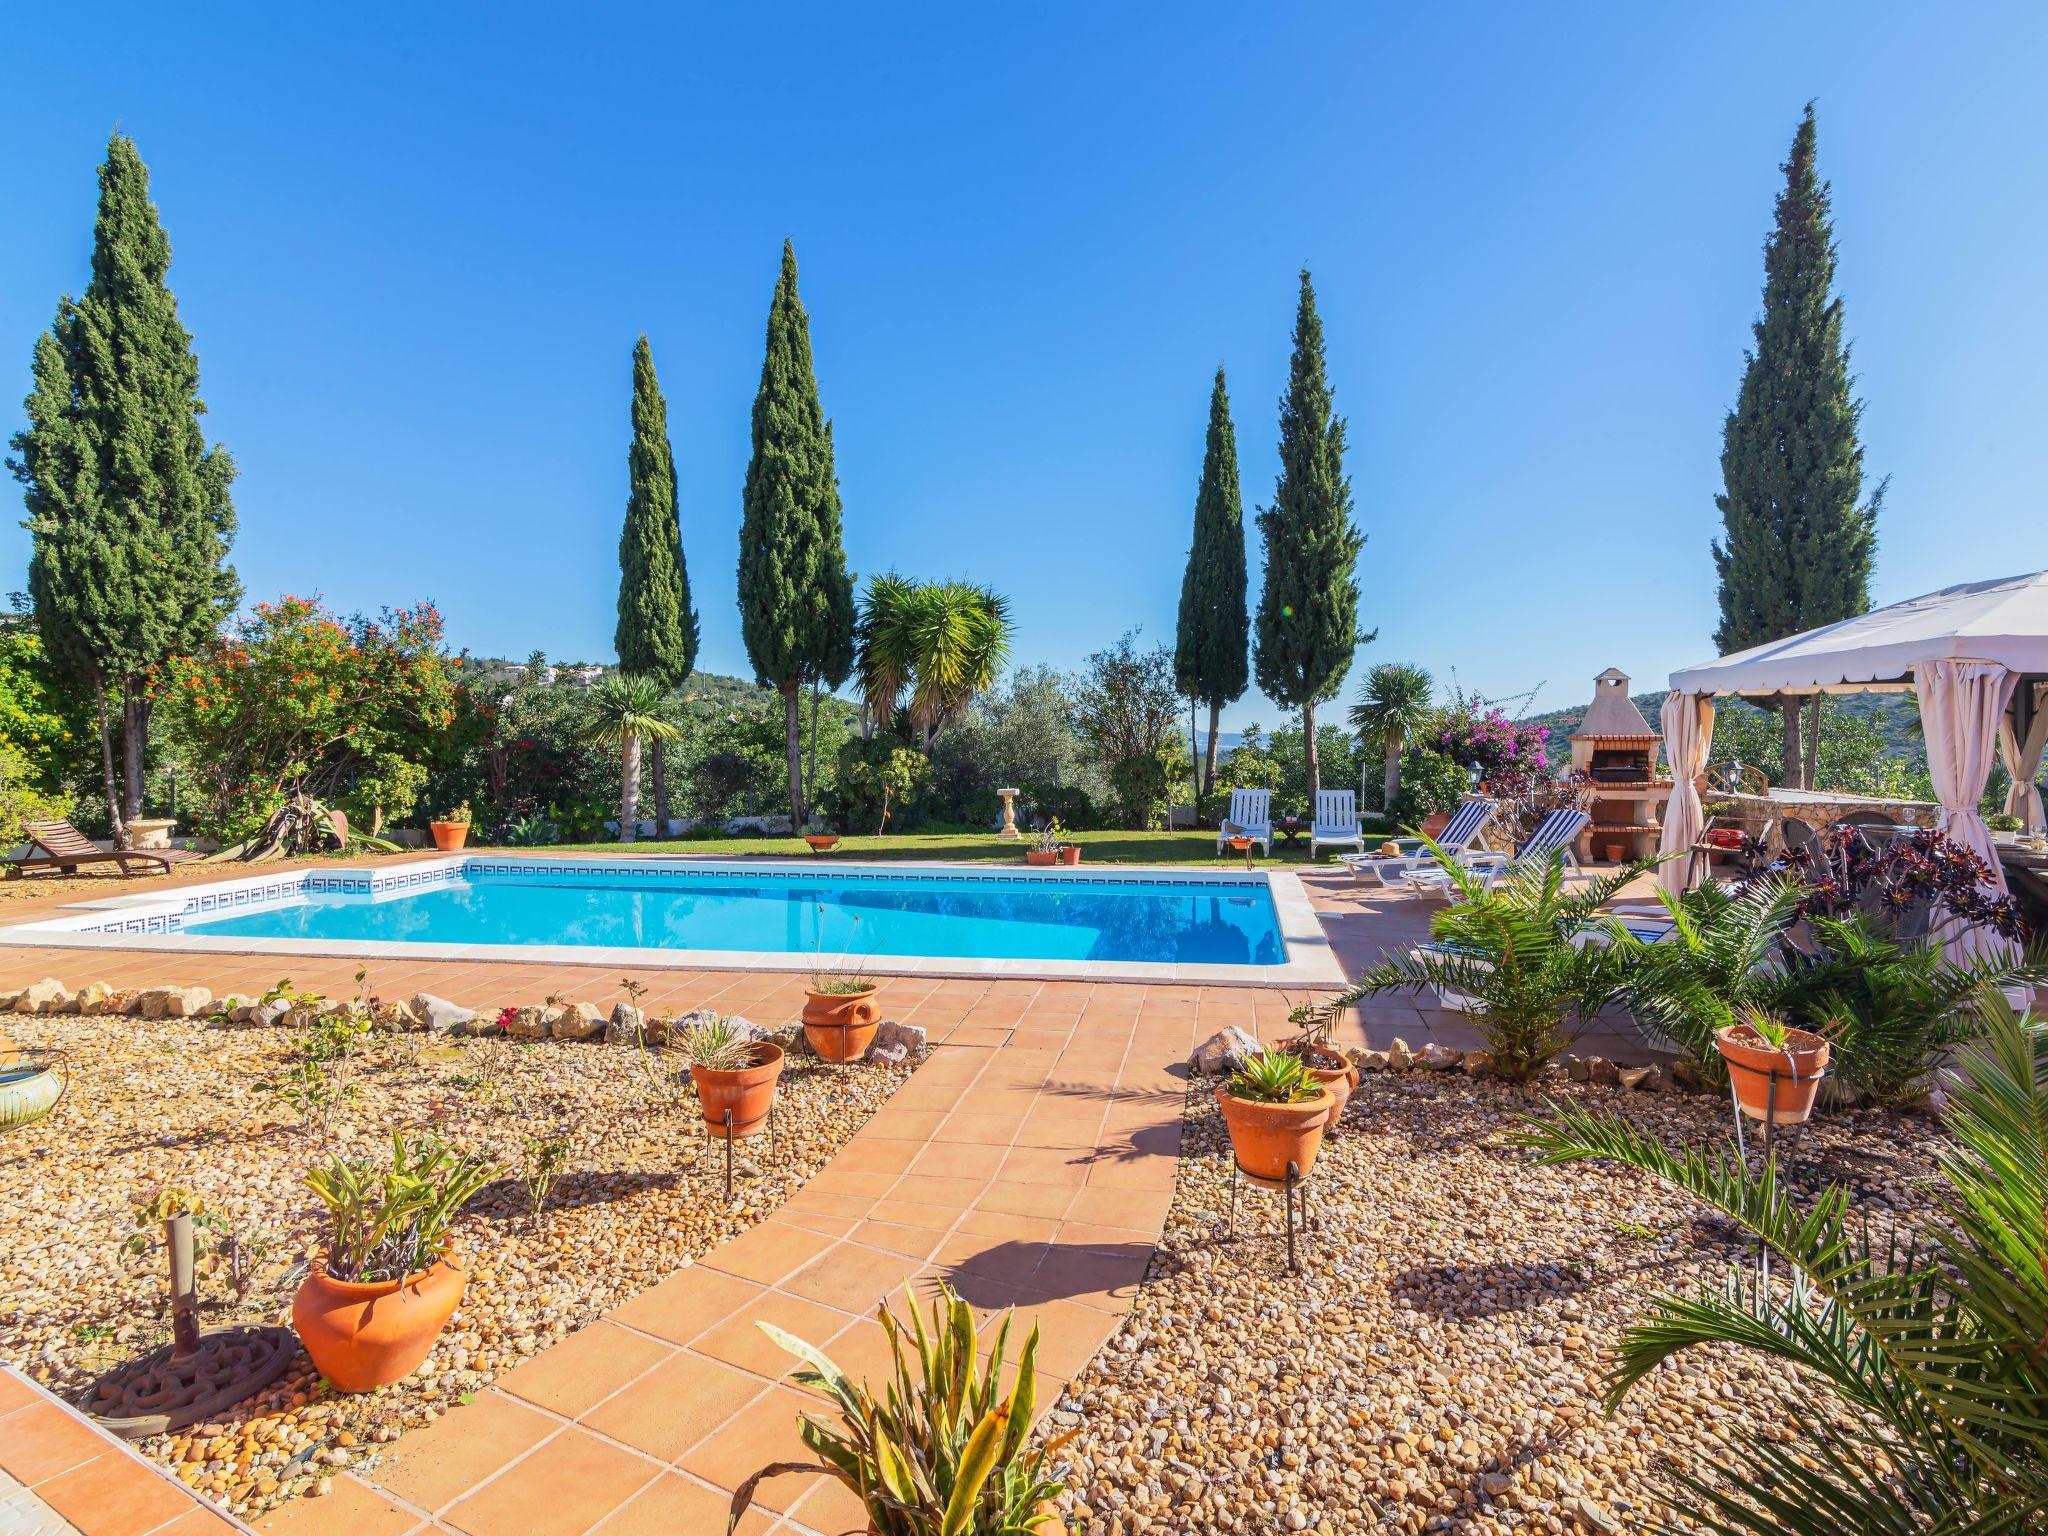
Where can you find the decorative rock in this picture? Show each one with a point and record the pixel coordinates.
(1633, 1078)
(1684, 1074)
(907, 1039)
(1576, 1069)
(575, 1021)
(1600, 1070)
(398, 1016)
(300, 1016)
(627, 1026)
(46, 996)
(440, 1015)
(1370, 1061)
(1399, 1057)
(112, 1003)
(526, 1024)
(888, 1055)
(90, 996)
(1223, 1052)
(1479, 1063)
(174, 1002)
(268, 1015)
(1440, 1058)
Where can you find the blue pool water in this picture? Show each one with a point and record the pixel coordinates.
(1040, 917)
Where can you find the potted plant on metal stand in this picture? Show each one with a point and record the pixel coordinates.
(735, 1075)
(375, 1301)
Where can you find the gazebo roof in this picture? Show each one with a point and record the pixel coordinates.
(2003, 621)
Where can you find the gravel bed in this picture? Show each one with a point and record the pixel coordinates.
(179, 1102)
(1439, 1367)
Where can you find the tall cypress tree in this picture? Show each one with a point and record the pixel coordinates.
(1797, 545)
(1308, 609)
(657, 630)
(127, 504)
(796, 595)
(1210, 661)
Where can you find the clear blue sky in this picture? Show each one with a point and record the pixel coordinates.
(415, 248)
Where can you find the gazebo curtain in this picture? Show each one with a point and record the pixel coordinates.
(1688, 720)
(1962, 706)
(2023, 762)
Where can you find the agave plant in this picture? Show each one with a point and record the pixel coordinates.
(721, 1043)
(941, 1452)
(1274, 1077)
(1532, 960)
(1934, 1352)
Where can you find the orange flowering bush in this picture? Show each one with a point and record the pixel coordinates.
(294, 699)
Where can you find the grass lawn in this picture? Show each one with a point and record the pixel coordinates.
(966, 847)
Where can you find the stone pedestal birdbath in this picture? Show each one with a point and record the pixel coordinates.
(1008, 831)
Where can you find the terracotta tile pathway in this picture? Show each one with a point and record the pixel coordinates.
(61, 1474)
(1032, 1169)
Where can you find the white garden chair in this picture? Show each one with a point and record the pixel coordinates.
(1251, 815)
(1336, 822)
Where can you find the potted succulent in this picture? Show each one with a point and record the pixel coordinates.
(375, 1301)
(1276, 1114)
(1070, 851)
(941, 1445)
(1760, 1043)
(1326, 1064)
(451, 828)
(735, 1074)
(1045, 847)
(840, 1015)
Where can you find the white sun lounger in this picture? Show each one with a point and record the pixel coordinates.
(1336, 822)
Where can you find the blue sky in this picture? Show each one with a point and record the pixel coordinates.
(415, 249)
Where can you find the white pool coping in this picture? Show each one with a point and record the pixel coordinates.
(153, 921)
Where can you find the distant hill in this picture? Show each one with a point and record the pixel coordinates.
(1893, 714)
(485, 672)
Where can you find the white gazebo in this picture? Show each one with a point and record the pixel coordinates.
(1976, 654)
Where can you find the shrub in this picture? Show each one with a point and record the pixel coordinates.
(1515, 950)
(1431, 785)
(875, 773)
(20, 800)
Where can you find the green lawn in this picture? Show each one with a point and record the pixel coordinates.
(969, 847)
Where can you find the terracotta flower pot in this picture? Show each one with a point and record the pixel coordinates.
(1751, 1061)
(822, 842)
(1070, 854)
(841, 1025)
(364, 1335)
(1433, 824)
(449, 834)
(1617, 853)
(749, 1093)
(1041, 856)
(1267, 1137)
(1341, 1080)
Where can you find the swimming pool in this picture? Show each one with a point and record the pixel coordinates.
(1206, 925)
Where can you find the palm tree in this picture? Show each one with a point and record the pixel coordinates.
(1932, 1346)
(1393, 704)
(1533, 961)
(628, 712)
(925, 649)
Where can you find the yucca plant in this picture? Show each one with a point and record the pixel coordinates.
(1935, 1353)
(1533, 960)
(721, 1043)
(941, 1450)
(1274, 1077)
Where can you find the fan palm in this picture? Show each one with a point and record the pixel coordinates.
(1934, 1353)
(628, 711)
(927, 648)
(1530, 960)
(1393, 705)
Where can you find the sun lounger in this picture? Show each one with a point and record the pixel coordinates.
(61, 846)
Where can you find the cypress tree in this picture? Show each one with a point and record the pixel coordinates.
(1210, 661)
(128, 507)
(1797, 545)
(1308, 609)
(657, 629)
(796, 595)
